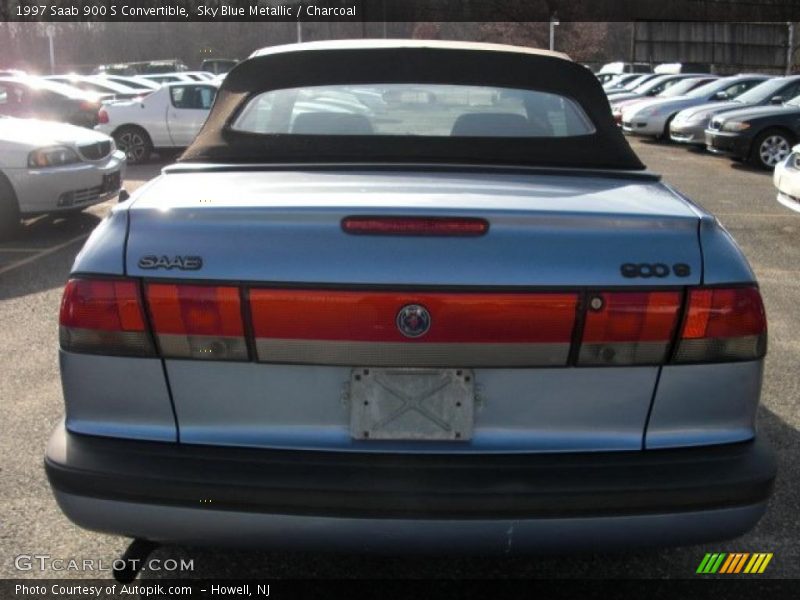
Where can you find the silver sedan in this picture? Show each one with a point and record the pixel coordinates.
(51, 167)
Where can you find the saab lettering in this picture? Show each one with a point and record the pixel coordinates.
(184, 263)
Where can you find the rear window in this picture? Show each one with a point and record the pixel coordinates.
(425, 110)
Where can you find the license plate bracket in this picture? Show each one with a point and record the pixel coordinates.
(412, 404)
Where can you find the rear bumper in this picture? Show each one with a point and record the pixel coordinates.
(209, 495)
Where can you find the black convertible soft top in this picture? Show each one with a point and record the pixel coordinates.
(415, 62)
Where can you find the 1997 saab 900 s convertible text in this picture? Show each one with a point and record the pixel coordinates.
(411, 295)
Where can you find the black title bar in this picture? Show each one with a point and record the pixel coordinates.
(399, 10)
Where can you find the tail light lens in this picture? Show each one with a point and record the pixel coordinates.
(629, 328)
(720, 325)
(464, 329)
(104, 317)
(102, 116)
(193, 321)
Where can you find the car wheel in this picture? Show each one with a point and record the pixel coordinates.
(770, 148)
(9, 210)
(664, 137)
(135, 143)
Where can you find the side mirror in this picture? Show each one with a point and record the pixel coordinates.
(776, 100)
(123, 195)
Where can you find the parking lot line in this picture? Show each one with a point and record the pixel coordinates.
(28, 250)
(42, 253)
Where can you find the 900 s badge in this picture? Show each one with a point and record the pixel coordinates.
(659, 270)
(184, 263)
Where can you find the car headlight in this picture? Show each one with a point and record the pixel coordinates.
(54, 156)
(735, 126)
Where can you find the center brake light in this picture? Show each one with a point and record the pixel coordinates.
(467, 329)
(422, 226)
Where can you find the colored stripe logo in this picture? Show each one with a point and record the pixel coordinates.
(734, 563)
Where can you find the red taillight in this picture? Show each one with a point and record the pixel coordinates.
(426, 226)
(723, 324)
(466, 329)
(102, 116)
(196, 321)
(105, 317)
(628, 327)
(371, 328)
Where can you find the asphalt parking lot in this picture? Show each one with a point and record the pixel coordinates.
(34, 267)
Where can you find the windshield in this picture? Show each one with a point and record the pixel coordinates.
(632, 85)
(407, 109)
(793, 102)
(710, 88)
(649, 85)
(679, 88)
(763, 91)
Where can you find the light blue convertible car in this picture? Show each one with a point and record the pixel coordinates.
(405, 294)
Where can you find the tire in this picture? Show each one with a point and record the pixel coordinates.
(770, 147)
(664, 137)
(9, 210)
(135, 143)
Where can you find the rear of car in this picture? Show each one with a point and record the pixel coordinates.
(448, 310)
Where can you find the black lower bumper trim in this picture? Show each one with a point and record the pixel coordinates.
(411, 486)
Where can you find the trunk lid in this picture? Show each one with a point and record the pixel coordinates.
(285, 227)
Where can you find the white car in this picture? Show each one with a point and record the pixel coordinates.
(167, 119)
(787, 180)
(52, 167)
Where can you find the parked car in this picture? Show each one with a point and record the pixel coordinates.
(109, 90)
(137, 83)
(619, 67)
(677, 89)
(761, 135)
(787, 180)
(465, 323)
(218, 66)
(620, 81)
(652, 87)
(48, 167)
(142, 67)
(652, 118)
(167, 119)
(630, 85)
(32, 97)
(689, 126)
